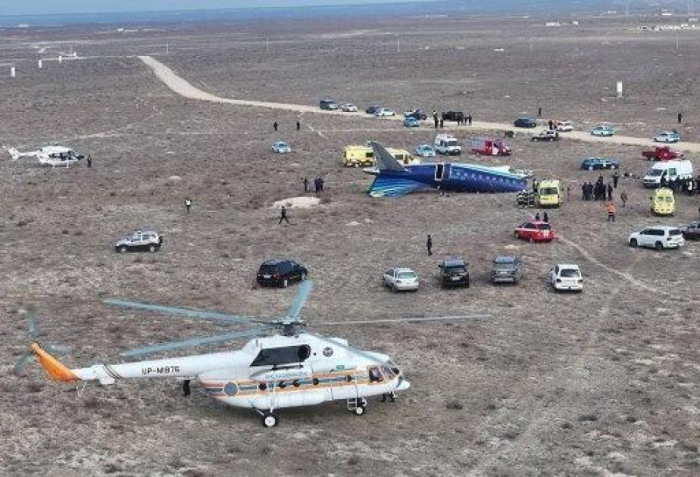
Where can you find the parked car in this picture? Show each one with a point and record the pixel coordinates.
(348, 108)
(400, 279)
(416, 113)
(598, 163)
(456, 116)
(447, 144)
(384, 112)
(535, 231)
(281, 273)
(565, 126)
(328, 103)
(667, 136)
(524, 123)
(411, 122)
(691, 231)
(281, 147)
(454, 272)
(140, 241)
(372, 109)
(662, 153)
(506, 268)
(424, 150)
(658, 237)
(603, 131)
(547, 135)
(566, 276)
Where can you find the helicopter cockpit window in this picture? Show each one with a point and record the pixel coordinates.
(387, 372)
(279, 356)
(374, 375)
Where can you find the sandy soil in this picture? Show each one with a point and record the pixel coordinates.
(601, 383)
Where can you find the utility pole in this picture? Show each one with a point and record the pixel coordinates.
(267, 44)
(398, 44)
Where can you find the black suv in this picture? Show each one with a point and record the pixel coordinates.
(281, 273)
(453, 116)
(373, 109)
(454, 272)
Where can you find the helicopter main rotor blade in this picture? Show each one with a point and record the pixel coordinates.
(300, 300)
(196, 342)
(402, 320)
(22, 361)
(188, 312)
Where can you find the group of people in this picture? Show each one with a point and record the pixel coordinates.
(462, 120)
(689, 186)
(318, 184)
(598, 191)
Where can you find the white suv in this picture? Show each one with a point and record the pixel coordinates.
(566, 276)
(658, 237)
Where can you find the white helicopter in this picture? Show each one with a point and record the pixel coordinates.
(50, 156)
(288, 369)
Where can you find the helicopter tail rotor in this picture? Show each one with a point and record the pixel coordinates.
(35, 333)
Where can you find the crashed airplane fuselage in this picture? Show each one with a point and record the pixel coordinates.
(393, 179)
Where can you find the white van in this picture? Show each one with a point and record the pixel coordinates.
(447, 144)
(669, 170)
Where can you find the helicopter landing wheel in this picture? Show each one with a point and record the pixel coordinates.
(270, 419)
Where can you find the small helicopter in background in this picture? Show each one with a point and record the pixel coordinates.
(54, 156)
(284, 366)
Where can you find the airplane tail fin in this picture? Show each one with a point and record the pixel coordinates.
(385, 161)
(53, 367)
(14, 153)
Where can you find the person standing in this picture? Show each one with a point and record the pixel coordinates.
(616, 178)
(545, 217)
(306, 184)
(283, 216)
(429, 244)
(610, 191)
(298, 126)
(186, 387)
(89, 161)
(275, 126)
(537, 217)
(611, 211)
(442, 123)
(320, 183)
(469, 119)
(188, 204)
(623, 198)
(680, 118)
(551, 124)
(317, 187)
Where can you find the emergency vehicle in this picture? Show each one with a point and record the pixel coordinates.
(363, 156)
(489, 146)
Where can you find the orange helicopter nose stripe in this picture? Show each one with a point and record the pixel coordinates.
(53, 367)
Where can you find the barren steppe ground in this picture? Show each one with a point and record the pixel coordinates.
(600, 383)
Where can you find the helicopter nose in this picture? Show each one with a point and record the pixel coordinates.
(403, 385)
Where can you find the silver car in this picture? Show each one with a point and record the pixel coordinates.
(401, 279)
(506, 269)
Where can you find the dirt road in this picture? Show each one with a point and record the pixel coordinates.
(185, 89)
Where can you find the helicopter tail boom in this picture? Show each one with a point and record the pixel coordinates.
(53, 367)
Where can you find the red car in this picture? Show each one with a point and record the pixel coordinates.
(535, 231)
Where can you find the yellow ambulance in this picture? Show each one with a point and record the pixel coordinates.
(363, 156)
(663, 202)
(549, 193)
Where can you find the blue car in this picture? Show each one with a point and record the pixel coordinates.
(598, 163)
(411, 122)
(424, 150)
(524, 123)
